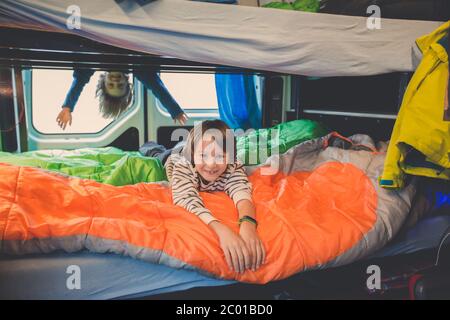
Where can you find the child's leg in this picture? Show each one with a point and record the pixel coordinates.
(151, 149)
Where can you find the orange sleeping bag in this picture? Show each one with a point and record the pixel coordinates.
(306, 219)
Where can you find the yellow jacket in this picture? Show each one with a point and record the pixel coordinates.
(420, 141)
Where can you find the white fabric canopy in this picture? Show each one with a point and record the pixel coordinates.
(276, 40)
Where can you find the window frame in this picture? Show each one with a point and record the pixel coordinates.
(191, 112)
(133, 105)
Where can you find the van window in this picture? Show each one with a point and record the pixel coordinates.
(192, 91)
(49, 89)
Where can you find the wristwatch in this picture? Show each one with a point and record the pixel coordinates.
(249, 219)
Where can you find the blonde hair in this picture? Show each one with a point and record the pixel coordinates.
(224, 138)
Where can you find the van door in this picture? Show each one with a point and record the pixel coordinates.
(196, 95)
(12, 111)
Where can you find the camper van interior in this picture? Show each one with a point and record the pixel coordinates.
(350, 113)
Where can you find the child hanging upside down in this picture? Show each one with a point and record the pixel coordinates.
(208, 163)
(115, 94)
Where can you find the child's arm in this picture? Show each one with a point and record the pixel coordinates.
(186, 195)
(237, 186)
(152, 81)
(239, 189)
(80, 78)
(247, 231)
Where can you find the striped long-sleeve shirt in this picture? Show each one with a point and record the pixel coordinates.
(186, 184)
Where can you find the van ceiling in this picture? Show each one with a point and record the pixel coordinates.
(41, 49)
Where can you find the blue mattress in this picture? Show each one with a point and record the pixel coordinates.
(103, 276)
(110, 276)
(426, 234)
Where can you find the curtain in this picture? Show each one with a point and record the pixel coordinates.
(238, 104)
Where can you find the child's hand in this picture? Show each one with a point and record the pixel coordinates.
(181, 118)
(64, 117)
(250, 236)
(234, 248)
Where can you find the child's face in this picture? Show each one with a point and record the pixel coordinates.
(116, 84)
(209, 159)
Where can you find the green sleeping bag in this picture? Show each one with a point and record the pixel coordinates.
(256, 146)
(108, 165)
(116, 167)
(298, 5)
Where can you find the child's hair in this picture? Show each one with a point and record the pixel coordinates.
(112, 107)
(221, 132)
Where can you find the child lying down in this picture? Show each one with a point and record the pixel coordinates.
(208, 163)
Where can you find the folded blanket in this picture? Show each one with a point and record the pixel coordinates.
(318, 206)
